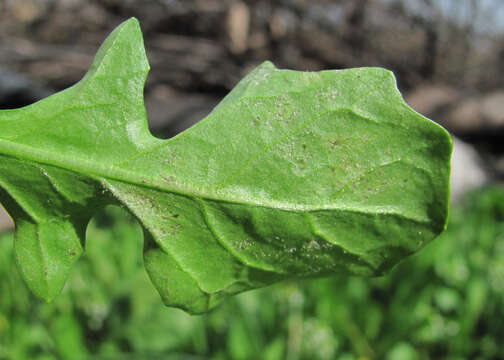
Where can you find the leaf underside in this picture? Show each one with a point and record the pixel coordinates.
(293, 174)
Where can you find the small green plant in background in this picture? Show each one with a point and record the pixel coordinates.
(293, 174)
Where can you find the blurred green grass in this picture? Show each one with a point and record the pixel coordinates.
(445, 302)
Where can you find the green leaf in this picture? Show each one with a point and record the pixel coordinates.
(294, 174)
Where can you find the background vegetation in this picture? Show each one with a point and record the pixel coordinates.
(443, 303)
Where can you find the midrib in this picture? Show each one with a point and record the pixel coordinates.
(100, 171)
(88, 168)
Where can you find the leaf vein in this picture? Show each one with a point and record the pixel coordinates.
(228, 247)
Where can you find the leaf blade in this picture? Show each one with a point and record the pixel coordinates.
(292, 174)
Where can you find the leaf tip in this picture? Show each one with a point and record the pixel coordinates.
(131, 25)
(267, 65)
(123, 52)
